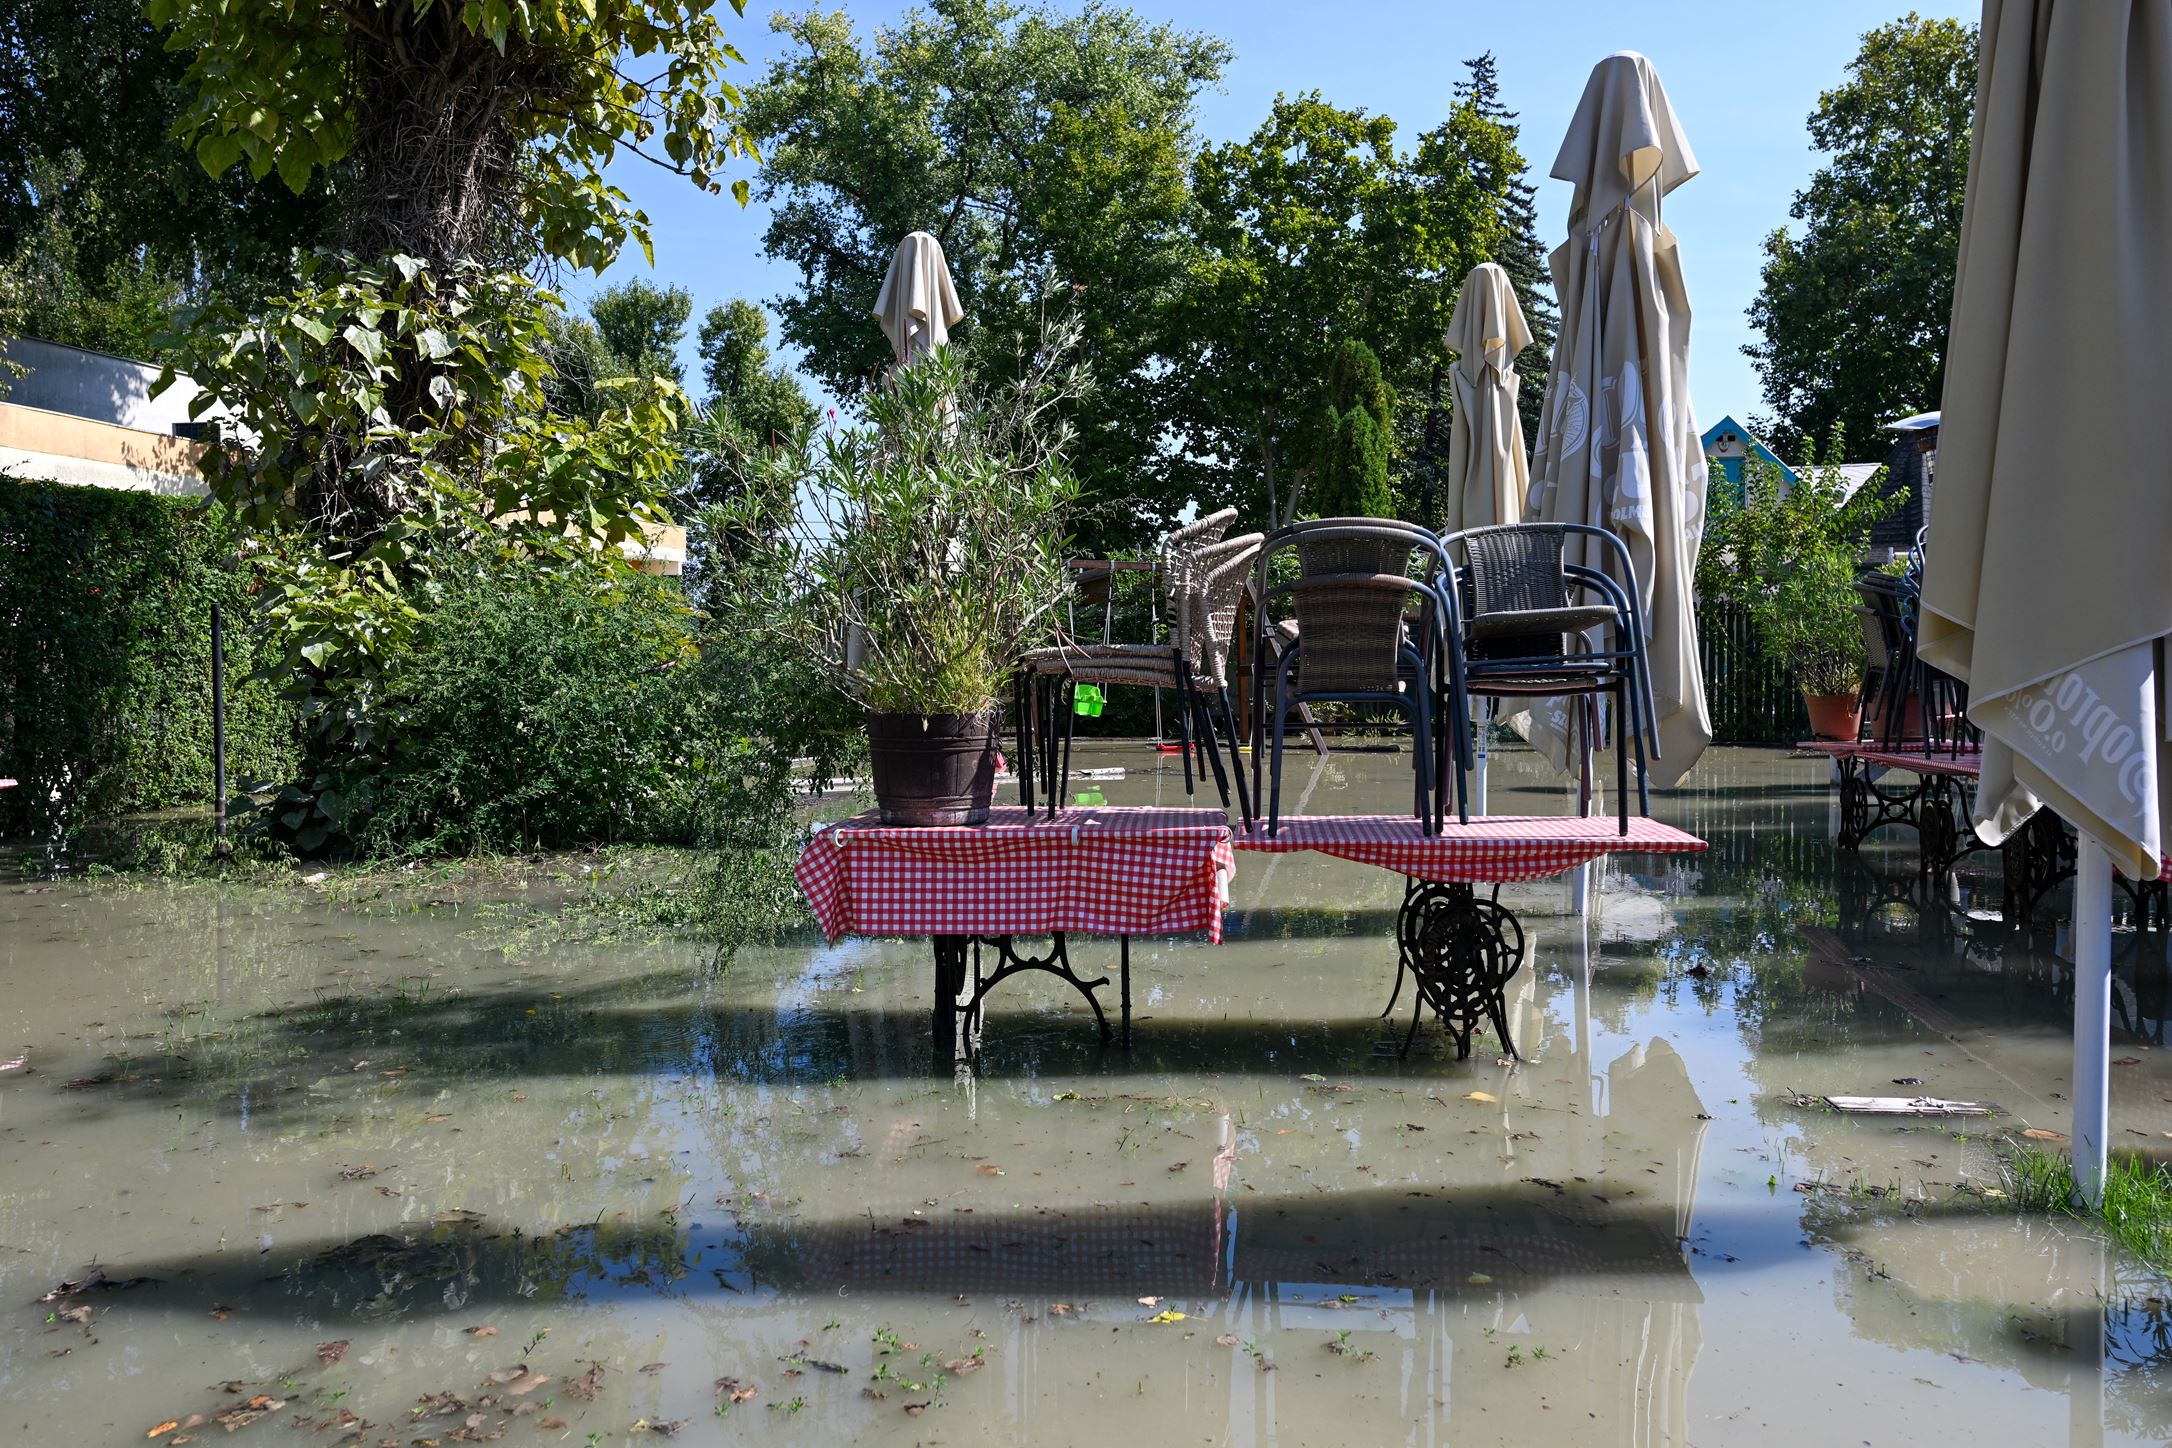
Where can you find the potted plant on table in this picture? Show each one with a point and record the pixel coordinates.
(916, 557)
(1788, 555)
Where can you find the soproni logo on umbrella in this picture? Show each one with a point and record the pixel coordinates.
(2063, 712)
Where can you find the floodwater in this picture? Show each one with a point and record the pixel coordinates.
(422, 1172)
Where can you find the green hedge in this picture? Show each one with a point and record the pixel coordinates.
(105, 657)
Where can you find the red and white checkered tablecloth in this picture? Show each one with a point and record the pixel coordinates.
(1092, 871)
(1491, 849)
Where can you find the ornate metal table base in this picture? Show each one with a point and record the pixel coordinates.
(2039, 856)
(961, 984)
(1944, 829)
(1866, 804)
(1461, 952)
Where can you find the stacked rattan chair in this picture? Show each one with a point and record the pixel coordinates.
(1202, 576)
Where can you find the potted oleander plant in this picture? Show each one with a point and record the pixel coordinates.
(1789, 554)
(917, 555)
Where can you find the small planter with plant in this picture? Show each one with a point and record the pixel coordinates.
(916, 557)
(1789, 556)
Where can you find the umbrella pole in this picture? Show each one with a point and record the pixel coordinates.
(2092, 1016)
(1484, 729)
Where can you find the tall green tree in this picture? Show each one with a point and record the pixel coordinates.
(1038, 145)
(1852, 313)
(766, 403)
(1520, 252)
(641, 326)
(1319, 228)
(1350, 478)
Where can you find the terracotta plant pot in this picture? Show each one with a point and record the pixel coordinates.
(933, 769)
(1834, 716)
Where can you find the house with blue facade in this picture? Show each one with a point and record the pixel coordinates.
(1728, 446)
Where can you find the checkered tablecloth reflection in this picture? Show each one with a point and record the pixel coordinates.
(1491, 849)
(1092, 871)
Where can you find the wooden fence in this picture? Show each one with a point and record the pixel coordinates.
(1752, 696)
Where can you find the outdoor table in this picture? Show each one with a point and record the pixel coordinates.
(1461, 951)
(1100, 871)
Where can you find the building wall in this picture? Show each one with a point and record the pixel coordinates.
(95, 386)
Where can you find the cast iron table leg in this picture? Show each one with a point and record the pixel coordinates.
(1461, 953)
(961, 984)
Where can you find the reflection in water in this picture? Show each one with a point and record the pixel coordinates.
(391, 1123)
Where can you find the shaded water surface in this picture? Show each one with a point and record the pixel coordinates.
(399, 1172)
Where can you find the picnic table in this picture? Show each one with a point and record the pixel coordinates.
(974, 890)
(1461, 950)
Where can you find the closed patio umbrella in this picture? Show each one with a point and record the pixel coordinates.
(918, 304)
(2049, 580)
(1618, 446)
(1488, 475)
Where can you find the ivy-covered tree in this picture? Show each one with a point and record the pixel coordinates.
(1852, 313)
(393, 407)
(1038, 145)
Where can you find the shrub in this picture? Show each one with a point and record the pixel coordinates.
(537, 706)
(105, 656)
(1350, 475)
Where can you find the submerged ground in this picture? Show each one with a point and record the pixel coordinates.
(397, 1168)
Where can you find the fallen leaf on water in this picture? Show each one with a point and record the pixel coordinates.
(1060, 1309)
(588, 1386)
(1150, 1302)
(481, 1331)
(358, 1173)
(76, 1314)
(1486, 1096)
(169, 1426)
(653, 1367)
(916, 1409)
(1227, 1339)
(1169, 1316)
(734, 1390)
(962, 1366)
(58, 1351)
(438, 1116)
(388, 1191)
(458, 1216)
(1479, 1279)
(243, 1414)
(989, 1168)
(668, 1427)
(550, 1424)
(2038, 1133)
(1312, 1076)
(331, 1352)
(1059, 1096)
(395, 1071)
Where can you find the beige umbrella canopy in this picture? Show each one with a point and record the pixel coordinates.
(918, 305)
(2049, 581)
(1487, 473)
(1618, 446)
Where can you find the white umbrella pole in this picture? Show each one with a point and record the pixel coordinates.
(2092, 1016)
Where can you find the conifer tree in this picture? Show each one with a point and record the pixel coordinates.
(1350, 477)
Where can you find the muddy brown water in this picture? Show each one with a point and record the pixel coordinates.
(462, 1148)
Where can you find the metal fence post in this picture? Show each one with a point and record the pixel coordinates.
(220, 850)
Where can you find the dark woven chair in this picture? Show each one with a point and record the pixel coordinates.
(1354, 625)
(1048, 678)
(1520, 627)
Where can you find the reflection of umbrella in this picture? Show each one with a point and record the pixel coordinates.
(1648, 1090)
(1487, 474)
(2046, 586)
(918, 305)
(1618, 445)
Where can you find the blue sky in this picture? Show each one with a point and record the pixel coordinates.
(1742, 77)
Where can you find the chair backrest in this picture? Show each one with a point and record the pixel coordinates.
(1350, 631)
(1357, 579)
(1181, 572)
(1354, 545)
(1515, 567)
(1213, 610)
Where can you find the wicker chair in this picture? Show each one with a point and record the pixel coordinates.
(1361, 629)
(1520, 626)
(1187, 556)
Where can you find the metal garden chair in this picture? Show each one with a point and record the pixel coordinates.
(1521, 624)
